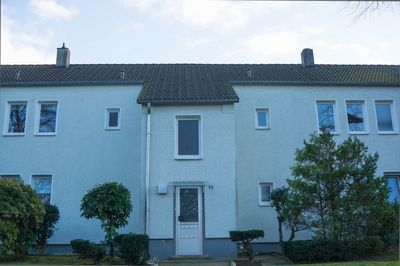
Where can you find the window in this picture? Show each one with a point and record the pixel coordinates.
(11, 177)
(265, 189)
(326, 114)
(188, 137)
(46, 118)
(384, 116)
(15, 122)
(113, 118)
(262, 118)
(42, 186)
(356, 118)
(393, 181)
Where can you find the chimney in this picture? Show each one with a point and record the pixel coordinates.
(307, 57)
(63, 55)
(249, 73)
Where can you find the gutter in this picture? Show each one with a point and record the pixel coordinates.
(147, 177)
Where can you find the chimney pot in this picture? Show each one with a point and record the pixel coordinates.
(63, 56)
(307, 57)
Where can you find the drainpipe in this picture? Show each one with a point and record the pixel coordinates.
(147, 178)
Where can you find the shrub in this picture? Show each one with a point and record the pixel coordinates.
(133, 248)
(47, 228)
(21, 213)
(88, 250)
(309, 251)
(244, 239)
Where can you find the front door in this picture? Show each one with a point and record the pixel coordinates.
(189, 233)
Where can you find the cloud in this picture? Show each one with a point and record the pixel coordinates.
(50, 9)
(215, 15)
(19, 46)
(131, 26)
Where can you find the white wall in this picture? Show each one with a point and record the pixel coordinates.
(217, 168)
(267, 155)
(82, 154)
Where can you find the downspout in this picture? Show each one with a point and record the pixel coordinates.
(147, 178)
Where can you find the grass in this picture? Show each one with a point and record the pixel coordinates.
(57, 260)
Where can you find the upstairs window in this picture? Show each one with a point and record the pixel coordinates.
(46, 118)
(42, 186)
(15, 122)
(265, 189)
(393, 181)
(113, 118)
(384, 116)
(356, 116)
(326, 114)
(188, 137)
(262, 118)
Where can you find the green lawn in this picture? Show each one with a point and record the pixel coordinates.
(358, 263)
(56, 260)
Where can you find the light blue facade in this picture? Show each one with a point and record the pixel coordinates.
(235, 155)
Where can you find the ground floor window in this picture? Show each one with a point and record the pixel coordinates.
(394, 186)
(265, 189)
(42, 185)
(11, 177)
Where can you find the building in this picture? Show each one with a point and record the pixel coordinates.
(200, 146)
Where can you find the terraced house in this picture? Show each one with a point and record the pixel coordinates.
(200, 146)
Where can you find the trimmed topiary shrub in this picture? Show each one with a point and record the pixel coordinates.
(88, 250)
(244, 239)
(133, 248)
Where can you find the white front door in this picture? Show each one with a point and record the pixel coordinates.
(189, 233)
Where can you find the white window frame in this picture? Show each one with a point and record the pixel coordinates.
(37, 117)
(268, 118)
(7, 117)
(365, 116)
(260, 202)
(108, 110)
(189, 117)
(335, 114)
(51, 187)
(393, 114)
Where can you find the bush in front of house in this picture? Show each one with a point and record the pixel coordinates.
(47, 228)
(133, 248)
(88, 250)
(21, 213)
(244, 238)
(309, 251)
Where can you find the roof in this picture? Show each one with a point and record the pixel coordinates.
(198, 83)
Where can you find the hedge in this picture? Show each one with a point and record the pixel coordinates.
(133, 248)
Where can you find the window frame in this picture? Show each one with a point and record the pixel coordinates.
(32, 176)
(260, 184)
(365, 116)
(109, 110)
(37, 117)
(197, 117)
(392, 113)
(268, 119)
(335, 115)
(7, 117)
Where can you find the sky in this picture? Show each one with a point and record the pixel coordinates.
(197, 31)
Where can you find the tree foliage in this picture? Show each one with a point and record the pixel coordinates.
(47, 228)
(21, 213)
(337, 190)
(111, 204)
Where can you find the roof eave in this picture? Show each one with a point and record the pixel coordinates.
(315, 83)
(70, 83)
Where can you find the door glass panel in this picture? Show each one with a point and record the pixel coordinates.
(189, 205)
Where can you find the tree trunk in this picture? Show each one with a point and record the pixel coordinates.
(292, 234)
(280, 231)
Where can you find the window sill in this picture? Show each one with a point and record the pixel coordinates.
(112, 128)
(333, 133)
(188, 157)
(388, 132)
(46, 134)
(263, 128)
(265, 204)
(358, 133)
(14, 134)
